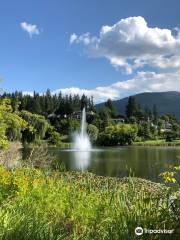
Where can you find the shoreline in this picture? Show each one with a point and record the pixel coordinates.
(158, 143)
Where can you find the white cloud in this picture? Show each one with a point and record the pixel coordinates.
(73, 38)
(30, 29)
(142, 82)
(131, 44)
(28, 93)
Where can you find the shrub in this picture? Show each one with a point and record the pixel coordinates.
(55, 138)
(92, 132)
(11, 125)
(120, 134)
(37, 126)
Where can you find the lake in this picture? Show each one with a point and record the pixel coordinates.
(144, 162)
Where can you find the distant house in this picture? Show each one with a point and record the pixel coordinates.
(167, 127)
(118, 119)
(78, 114)
(52, 115)
(144, 120)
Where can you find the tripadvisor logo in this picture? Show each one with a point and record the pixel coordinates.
(139, 231)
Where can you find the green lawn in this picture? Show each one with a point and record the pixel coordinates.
(157, 143)
(46, 205)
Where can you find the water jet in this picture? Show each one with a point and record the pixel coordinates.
(81, 140)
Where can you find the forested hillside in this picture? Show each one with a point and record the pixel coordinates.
(166, 102)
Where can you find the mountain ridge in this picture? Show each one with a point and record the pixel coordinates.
(166, 102)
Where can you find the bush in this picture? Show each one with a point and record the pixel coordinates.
(120, 134)
(92, 132)
(68, 126)
(11, 125)
(38, 126)
(55, 138)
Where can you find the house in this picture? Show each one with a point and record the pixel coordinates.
(167, 127)
(144, 120)
(78, 114)
(118, 119)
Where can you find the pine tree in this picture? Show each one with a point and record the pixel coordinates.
(83, 102)
(132, 107)
(111, 108)
(155, 113)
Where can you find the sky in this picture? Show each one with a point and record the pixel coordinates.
(104, 48)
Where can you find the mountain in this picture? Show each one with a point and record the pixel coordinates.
(166, 102)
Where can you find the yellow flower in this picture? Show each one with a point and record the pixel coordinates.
(177, 167)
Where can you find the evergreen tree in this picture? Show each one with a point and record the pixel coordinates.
(147, 113)
(84, 102)
(155, 113)
(111, 108)
(49, 102)
(132, 107)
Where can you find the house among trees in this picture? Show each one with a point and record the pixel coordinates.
(78, 114)
(145, 120)
(118, 119)
(166, 127)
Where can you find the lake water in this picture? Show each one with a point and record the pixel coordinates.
(144, 162)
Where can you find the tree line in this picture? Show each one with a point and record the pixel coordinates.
(47, 103)
(51, 117)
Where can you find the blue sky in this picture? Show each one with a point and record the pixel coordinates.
(45, 58)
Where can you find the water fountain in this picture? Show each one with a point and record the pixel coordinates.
(82, 145)
(81, 140)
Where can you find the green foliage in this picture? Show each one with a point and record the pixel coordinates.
(38, 126)
(132, 107)
(60, 112)
(48, 103)
(92, 132)
(3, 126)
(132, 120)
(111, 108)
(120, 134)
(104, 117)
(171, 178)
(11, 125)
(144, 131)
(43, 205)
(166, 102)
(54, 137)
(155, 113)
(67, 126)
(159, 142)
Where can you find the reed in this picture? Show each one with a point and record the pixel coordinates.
(48, 205)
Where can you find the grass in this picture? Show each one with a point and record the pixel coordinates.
(161, 142)
(42, 205)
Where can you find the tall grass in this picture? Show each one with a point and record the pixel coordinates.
(42, 205)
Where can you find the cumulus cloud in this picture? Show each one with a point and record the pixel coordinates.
(142, 82)
(73, 38)
(30, 29)
(131, 44)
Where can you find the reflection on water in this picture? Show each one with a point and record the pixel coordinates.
(81, 159)
(144, 162)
